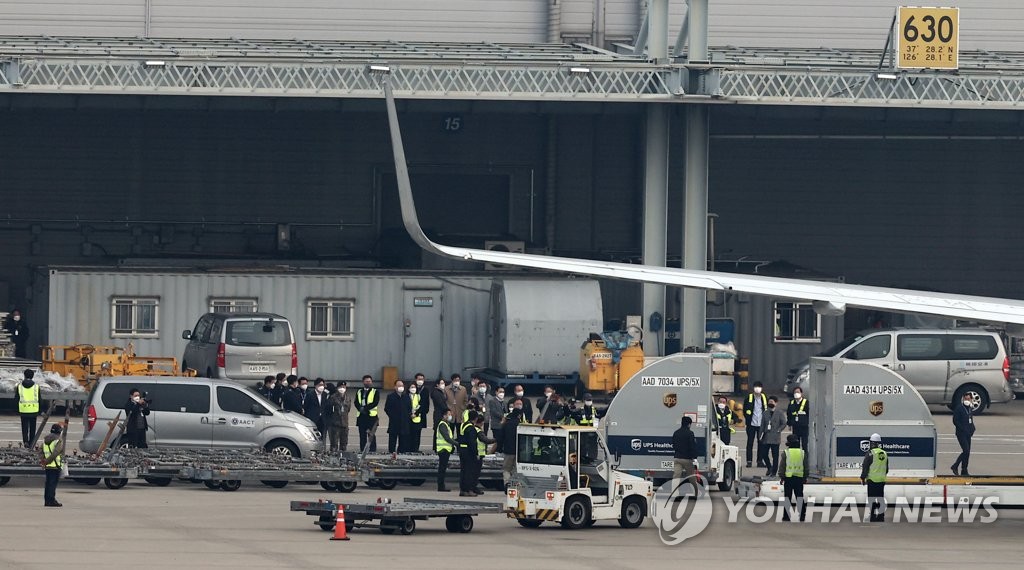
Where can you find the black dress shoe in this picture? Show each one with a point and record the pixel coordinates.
(964, 473)
(748, 465)
(443, 490)
(467, 494)
(953, 467)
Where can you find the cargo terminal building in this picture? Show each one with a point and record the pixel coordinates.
(215, 139)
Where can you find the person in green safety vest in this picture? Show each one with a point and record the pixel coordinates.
(367, 400)
(52, 460)
(873, 473)
(793, 468)
(445, 443)
(420, 403)
(725, 420)
(28, 406)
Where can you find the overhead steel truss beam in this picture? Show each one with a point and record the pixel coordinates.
(499, 80)
(862, 88)
(525, 81)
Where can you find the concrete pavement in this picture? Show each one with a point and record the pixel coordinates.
(187, 525)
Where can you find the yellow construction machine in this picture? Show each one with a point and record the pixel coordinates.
(87, 363)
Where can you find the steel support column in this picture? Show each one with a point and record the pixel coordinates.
(657, 32)
(695, 208)
(695, 223)
(655, 222)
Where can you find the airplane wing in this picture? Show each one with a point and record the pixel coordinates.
(828, 297)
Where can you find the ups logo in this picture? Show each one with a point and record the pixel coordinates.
(876, 408)
(670, 400)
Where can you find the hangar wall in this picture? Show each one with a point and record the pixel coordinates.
(986, 24)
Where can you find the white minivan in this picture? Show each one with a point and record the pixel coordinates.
(943, 364)
(240, 346)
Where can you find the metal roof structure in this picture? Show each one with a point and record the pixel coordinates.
(510, 72)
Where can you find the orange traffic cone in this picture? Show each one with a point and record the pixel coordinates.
(339, 525)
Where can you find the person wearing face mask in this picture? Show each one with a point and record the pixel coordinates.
(17, 330)
(725, 420)
(337, 427)
(367, 400)
(398, 407)
(266, 389)
(507, 443)
(495, 408)
(52, 460)
(794, 471)
(771, 435)
(488, 405)
(520, 394)
(277, 394)
(798, 418)
(445, 444)
(456, 397)
(588, 413)
(425, 392)
(315, 403)
(304, 391)
(873, 472)
(439, 400)
(549, 407)
(135, 423)
(753, 413)
(963, 421)
(291, 399)
(28, 406)
(419, 403)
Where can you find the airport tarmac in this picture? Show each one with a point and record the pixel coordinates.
(188, 525)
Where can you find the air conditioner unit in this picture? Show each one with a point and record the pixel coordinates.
(510, 246)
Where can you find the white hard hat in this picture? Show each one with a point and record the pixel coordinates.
(876, 438)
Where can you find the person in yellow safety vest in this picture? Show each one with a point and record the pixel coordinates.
(467, 455)
(28, 406)
(725, 420)
(445, 444)
(873, 473)
(588, 413)
(754, 407)
(798, 416)
(793, 467)
(420, 406)
(366, 407)
(52, 460)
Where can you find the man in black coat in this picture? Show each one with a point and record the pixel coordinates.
(315, 405)
(963, 421)
(398, 407)
(17, 329)
(135, 422)
(291, 399)
(684, 449)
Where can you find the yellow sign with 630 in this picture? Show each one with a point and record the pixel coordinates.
(928, 38)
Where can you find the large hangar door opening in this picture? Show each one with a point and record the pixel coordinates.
(465, 204)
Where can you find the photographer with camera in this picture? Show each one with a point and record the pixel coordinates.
(136, 424)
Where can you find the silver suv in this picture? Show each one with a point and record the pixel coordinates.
(240, 346)
(200, 413)
(943, 364)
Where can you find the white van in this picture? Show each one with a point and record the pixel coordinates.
(240, 346)
(943, 364)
